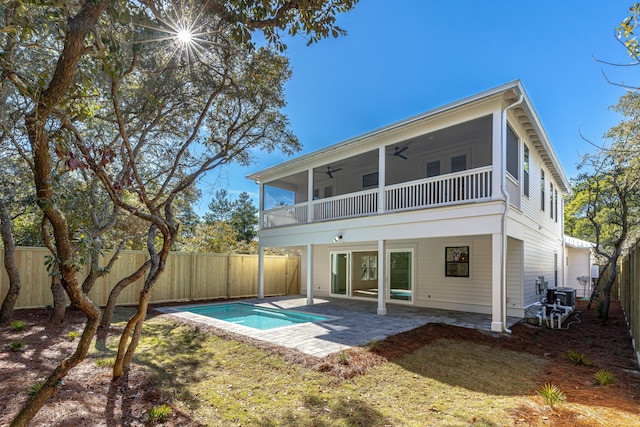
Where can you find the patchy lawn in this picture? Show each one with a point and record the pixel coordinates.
(434, 375)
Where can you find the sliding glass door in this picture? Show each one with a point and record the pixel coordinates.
(400, 263)
(339, 273)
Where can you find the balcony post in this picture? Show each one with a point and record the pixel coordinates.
(382, 161)
(382, 277)
(310, 196)
(309, 274)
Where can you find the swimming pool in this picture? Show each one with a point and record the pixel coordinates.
(253, 316)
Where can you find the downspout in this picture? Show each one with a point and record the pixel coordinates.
(564, 244)
(507, 203)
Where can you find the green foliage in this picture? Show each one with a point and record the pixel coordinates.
(626, 31)
(159, 413)
(343, 358)
(34, 388)
(73, 335)
(604, 377)
(551, 394)
(577, 358)
(17, 326)
(374, 344)
(16, 346)
(106, 362)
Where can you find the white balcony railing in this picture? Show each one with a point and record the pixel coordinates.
(285, 215)
(346, 205)
(461, 187)
(472, 185)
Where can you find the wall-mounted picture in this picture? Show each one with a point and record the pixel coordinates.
(457, 261)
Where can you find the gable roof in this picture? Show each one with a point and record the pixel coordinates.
(525, 114)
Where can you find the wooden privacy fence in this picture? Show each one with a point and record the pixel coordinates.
(629, 288)
(187, 277)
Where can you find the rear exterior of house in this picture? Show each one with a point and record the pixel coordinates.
(459, 208)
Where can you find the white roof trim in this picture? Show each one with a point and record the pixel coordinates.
(577, 243)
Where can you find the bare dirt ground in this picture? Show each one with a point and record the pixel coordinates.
(89, 397)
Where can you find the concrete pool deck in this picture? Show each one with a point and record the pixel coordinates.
(351, 322)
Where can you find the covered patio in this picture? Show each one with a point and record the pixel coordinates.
(351, 323)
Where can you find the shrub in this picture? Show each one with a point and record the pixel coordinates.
(73, 335)
(16, 346)
(17, 326)
(604, 377)
(577, 358)
(552, 395)
(159, 413)
(374, 344)
(342, 357)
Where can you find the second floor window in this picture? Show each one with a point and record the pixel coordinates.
(512, 153)
(525, 172)
(551, 200)
(542, 185)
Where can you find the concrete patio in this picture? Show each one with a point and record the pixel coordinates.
(351, 322)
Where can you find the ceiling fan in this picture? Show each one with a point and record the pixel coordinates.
(330, 171)
(399, 151)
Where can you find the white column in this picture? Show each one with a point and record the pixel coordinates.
(382, 277)
(309, 274)
(381, 178)
(260, 272)
(496, 283)
(310, 196)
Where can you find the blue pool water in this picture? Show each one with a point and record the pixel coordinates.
(253, 316)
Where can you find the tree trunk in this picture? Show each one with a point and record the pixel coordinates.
(33, 405)
(134, 325)
(59, 300)
(107, 311)
(48, 100)
(6, 229)
(613, 273)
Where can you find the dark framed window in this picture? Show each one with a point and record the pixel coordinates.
(459, 163)
(456, 261)
(513, 165)
(433, 168)
(551, 200)
(370, 180)
(542, 185)
(556, 204)
(525, 171)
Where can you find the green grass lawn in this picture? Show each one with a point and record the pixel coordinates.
(224, 382)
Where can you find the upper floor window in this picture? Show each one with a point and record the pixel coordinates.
(370, 180)
(458, 163)
(512, 153)
(525, 171)
(551, 199)
(433, 168)
(542, 185)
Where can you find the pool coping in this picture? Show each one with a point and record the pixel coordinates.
(179, 311)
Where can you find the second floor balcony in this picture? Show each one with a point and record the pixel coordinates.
(455, 188)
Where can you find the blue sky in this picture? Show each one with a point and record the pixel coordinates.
(404, 57)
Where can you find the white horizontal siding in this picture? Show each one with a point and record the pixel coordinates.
(578, 264)
(515, 276)
(539, 261)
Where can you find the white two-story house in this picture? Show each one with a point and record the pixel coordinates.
(458, 208)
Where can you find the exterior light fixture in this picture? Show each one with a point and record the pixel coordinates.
(337, 238)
